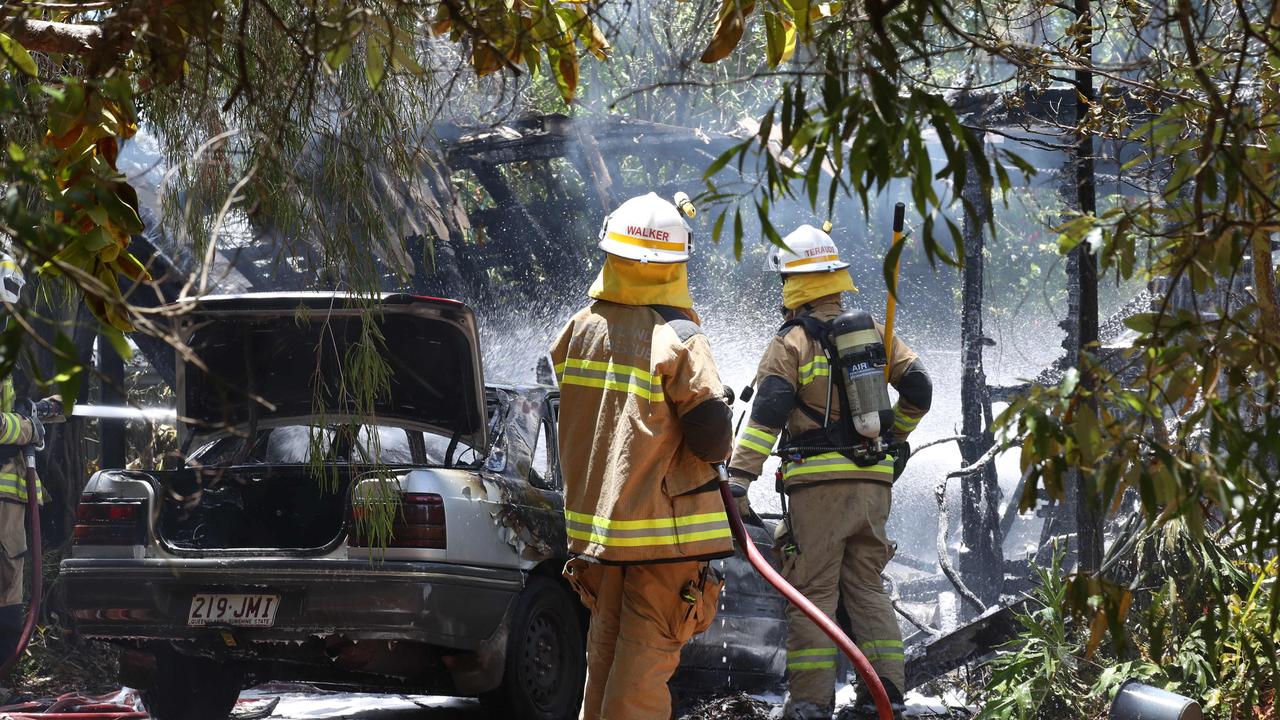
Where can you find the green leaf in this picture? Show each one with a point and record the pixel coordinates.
(17, 55)
(1070, 380)
(375, 63)
(338, 55)
(68, 369)
(780, 38)
(118, 342)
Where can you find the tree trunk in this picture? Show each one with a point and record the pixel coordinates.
(1088, 505)
(982, 563)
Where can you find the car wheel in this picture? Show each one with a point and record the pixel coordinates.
(546, 661)
(189, 688)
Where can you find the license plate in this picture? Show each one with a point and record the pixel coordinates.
(248, 610)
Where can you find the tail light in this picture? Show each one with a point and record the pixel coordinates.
(418, 523)
(112, 522)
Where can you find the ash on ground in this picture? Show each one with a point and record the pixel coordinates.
(733, 707)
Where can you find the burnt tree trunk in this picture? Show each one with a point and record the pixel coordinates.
(982, 563)
(1088, 505)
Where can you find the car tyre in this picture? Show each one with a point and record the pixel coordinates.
(546, 661)
(190, 688)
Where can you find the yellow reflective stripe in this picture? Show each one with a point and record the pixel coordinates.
(812, 652)
(608, 366)
(668, 522)
(872, 655)
(611, 376)
(812, 665)
(646, 243)
(16, 486)
(835, 462)
(649, 540)
(11, 429)
(758, 440)
(632, 388)
(761, 434)
(904, 422)
(877, 644)
(883, 650)
(811, 260)
(648, 532)
(744, 442)
(815, 368)
(6, 396)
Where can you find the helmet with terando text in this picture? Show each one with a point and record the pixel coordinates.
(647, 229)
(808, 250)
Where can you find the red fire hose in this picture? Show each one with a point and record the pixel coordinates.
(793, 596)
(37, 572)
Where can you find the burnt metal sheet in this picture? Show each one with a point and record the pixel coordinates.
(532, 517)
(970, 643)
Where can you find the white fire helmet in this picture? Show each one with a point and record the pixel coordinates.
(809, 250)
(11, 280)
(649, 229)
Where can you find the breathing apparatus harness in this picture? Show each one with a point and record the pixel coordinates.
(856, 357)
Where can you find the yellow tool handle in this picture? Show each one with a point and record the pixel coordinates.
(899, 216)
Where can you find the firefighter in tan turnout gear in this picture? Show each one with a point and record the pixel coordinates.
(17, 430)
(836, 476)
(642, 414)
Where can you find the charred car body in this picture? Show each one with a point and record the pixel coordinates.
(256, 560)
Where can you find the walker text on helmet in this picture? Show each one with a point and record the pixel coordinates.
(648, 229)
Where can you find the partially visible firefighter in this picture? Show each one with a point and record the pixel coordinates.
(20, 429)
(821, 399)
(642, 415)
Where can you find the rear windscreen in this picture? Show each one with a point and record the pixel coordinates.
(300, 366)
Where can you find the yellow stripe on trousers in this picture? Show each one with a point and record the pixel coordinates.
(649, 532)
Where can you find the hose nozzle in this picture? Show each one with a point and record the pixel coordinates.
(686, 206)
(826, 226)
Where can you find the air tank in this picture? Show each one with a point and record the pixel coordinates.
(861, 357)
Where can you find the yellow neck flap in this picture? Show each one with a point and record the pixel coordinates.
(800, 288)
(629, 282)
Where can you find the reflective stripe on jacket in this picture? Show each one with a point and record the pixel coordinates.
(795, 370)
(634, 491)
(15, 430)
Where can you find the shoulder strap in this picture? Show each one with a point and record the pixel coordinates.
(678, 321)
(816, 330)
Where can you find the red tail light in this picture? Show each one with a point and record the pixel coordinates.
(419, 523)
(115, 522)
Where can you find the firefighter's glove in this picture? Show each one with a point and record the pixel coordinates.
(29, 410)
(901, 454)
(49, 408)
(738, 484)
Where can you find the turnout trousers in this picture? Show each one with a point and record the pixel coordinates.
(641, 615)
(840, 549)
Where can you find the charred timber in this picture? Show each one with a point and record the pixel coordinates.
(981, 565)
(962, 647)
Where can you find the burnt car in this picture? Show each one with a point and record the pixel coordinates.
(259, 558)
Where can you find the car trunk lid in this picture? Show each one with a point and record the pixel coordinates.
(295, 356)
